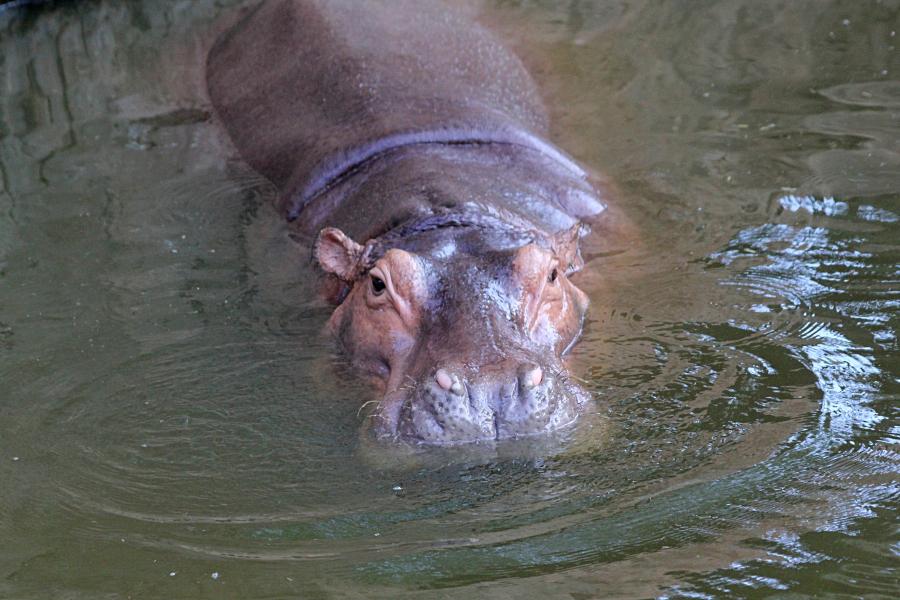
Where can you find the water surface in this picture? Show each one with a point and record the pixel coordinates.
(173, 425)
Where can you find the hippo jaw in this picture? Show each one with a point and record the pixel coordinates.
(465, 334)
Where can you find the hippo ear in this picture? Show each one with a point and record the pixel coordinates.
(338, 254)
(566, 246)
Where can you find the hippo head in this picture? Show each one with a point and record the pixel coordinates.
(462, 328)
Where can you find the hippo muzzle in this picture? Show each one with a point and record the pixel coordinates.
(509, 402)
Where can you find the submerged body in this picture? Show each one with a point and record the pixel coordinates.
(412, 147)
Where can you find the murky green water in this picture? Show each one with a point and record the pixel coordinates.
(173, 426)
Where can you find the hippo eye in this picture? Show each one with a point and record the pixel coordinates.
(553, 274)
(377, 285)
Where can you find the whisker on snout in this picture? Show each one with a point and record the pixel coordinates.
(365, 404)
(566, 377)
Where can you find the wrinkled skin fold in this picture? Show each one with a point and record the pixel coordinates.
(411, 147)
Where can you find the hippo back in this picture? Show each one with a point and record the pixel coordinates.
(309, 89)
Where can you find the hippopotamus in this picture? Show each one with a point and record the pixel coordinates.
(410, 149)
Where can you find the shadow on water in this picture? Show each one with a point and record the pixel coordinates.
(173, 424)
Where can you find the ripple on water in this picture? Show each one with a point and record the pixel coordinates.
(687, 397)
(198, 418)
(748, 393)
(884, 94)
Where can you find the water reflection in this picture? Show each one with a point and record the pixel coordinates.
(171, 407)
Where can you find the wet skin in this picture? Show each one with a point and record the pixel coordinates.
(410, 148)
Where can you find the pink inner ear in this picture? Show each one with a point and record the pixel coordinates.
(337, 253)
(566, 245)
(333, 258)
(575, 262)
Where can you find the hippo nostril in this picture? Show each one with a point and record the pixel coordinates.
(532, 377)
(443, 379)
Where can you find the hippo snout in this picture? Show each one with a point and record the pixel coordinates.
(452, 406)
